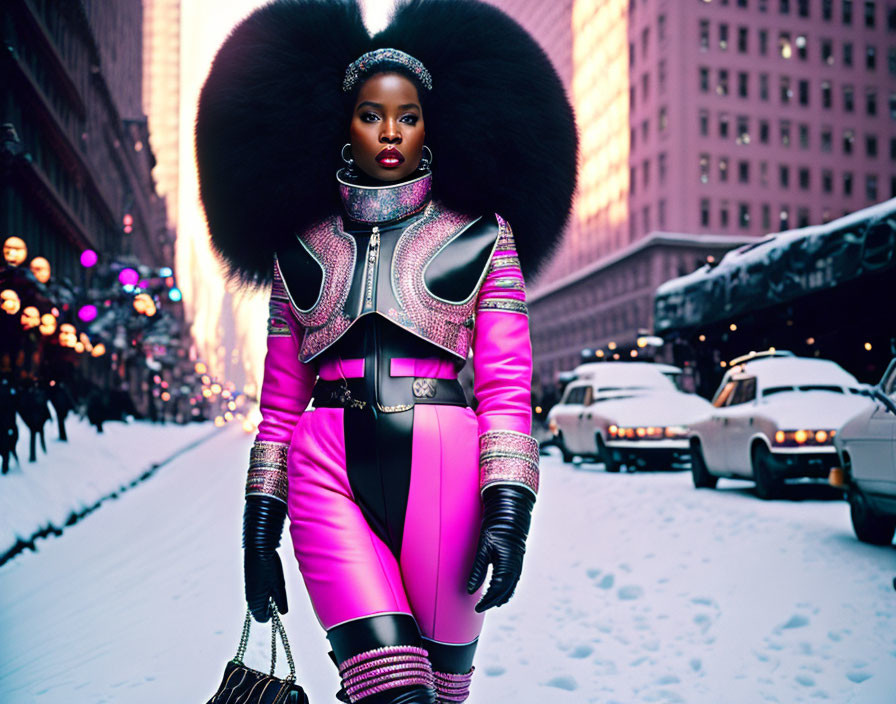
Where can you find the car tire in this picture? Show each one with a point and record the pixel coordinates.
(604, 455)
(699, 471)
(768, 486)
(565, 454)
(869, 526)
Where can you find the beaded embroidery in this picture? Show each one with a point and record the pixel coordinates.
(368, 62)
(385, 668)
(451, 687)
(267, 470)
(506, 456)
(382, 204)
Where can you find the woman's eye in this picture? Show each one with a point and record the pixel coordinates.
(410, 119)
(370, 117)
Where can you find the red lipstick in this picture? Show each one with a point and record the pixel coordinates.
(389, 158)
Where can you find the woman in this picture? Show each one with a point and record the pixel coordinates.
(399, 494)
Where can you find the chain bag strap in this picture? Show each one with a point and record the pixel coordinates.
(247, 686)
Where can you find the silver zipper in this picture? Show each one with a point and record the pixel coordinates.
(373, 253)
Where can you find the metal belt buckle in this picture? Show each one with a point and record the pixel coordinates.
(344, 396)
(424, 387)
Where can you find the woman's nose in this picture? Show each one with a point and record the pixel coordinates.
(390, 133)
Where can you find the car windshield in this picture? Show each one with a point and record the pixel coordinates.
(807, 387)
(777, 390)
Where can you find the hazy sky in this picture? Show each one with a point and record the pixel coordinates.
(216, 316)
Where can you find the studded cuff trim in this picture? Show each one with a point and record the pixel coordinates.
(385, 668)
(508, 457)
(452, 687)
(267, 470)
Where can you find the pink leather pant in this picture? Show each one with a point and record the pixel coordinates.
(348, 570)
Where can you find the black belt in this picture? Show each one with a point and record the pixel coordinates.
(353, 393)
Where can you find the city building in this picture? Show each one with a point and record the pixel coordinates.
(76, 159)
(721, 119)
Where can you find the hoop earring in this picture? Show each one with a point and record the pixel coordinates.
(426, 162)
(350, 169)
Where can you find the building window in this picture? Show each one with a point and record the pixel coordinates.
(869, 14)
(742, 3)
(743, 215)
(785, 48)
(645, 217)
(723, 125)
(723, 36)
(645, 86)
(891, 19)
(645, 129)
(846, 14)
(663, 119)
(827, 181)
(871, 187)
(802, 217)
(723, 214)
(743, 84)
(892, 186)
(743, 129)
(743, 35)
(784, 7)
(871, 146)
(661, 167)
(785, 90)
(661, 76)
(849, 139)
(704, 123)
(704, 35)
(722, 86)
(827, 139)
(661, 27)
(704, 168)
(827, 9)
(661, 213)
(803, 92)
(827, 52)
(893, 106)
(766, 217)
(804, 135)
(631, 54)
(847, 183)
(631, 99)
(704, 212)
(847, 53)
(804, 179)
(763, 86)
(826, 94)
(763, 42)
(802, 47)
(723, 169)
(785, 133)
(763, 173)
(743, 172)
(783, 176)
(704, 80)
(803, 8)
(763, 132)
(645, 172)
(849, 98)
(645, 41)
(631, 138)
(871, 101)
(784, 218)
(632, 180)
(892, 148)
(870, 57)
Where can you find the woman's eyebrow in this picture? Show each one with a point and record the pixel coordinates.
(369, 103)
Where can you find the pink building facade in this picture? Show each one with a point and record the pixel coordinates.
(725, 120)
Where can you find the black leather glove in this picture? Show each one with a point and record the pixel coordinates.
(506, 514)
(263, 572)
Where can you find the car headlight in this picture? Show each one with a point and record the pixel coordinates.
(804, 438)
(648, 432)
(553, 427)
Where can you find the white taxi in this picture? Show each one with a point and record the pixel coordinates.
(774, 417)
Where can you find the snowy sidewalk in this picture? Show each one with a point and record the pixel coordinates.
(637, 588)
(72, 477)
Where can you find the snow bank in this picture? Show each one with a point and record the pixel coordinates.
(72, 478)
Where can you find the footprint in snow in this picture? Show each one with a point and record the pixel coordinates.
(858, 677)
(795, 621)
(495, 671)
(607, 582)
(592, 573)
(703, 601)
(805, 680)
(581, 651)
(563, 682)
(695, 664)
(628, 593)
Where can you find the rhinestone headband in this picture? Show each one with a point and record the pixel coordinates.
(369, 61)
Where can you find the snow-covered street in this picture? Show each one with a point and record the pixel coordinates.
(637, 588)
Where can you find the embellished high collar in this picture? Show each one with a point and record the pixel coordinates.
(388, 203)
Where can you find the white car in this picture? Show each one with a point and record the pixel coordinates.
(774, 418)
(625, 413)
(866, 445)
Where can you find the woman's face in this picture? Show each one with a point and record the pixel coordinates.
(387, 127)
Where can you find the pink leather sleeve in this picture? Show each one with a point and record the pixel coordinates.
(287, 385)
(502, 372)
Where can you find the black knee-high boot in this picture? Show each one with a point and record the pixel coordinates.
(381, 660)
(452, 669)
